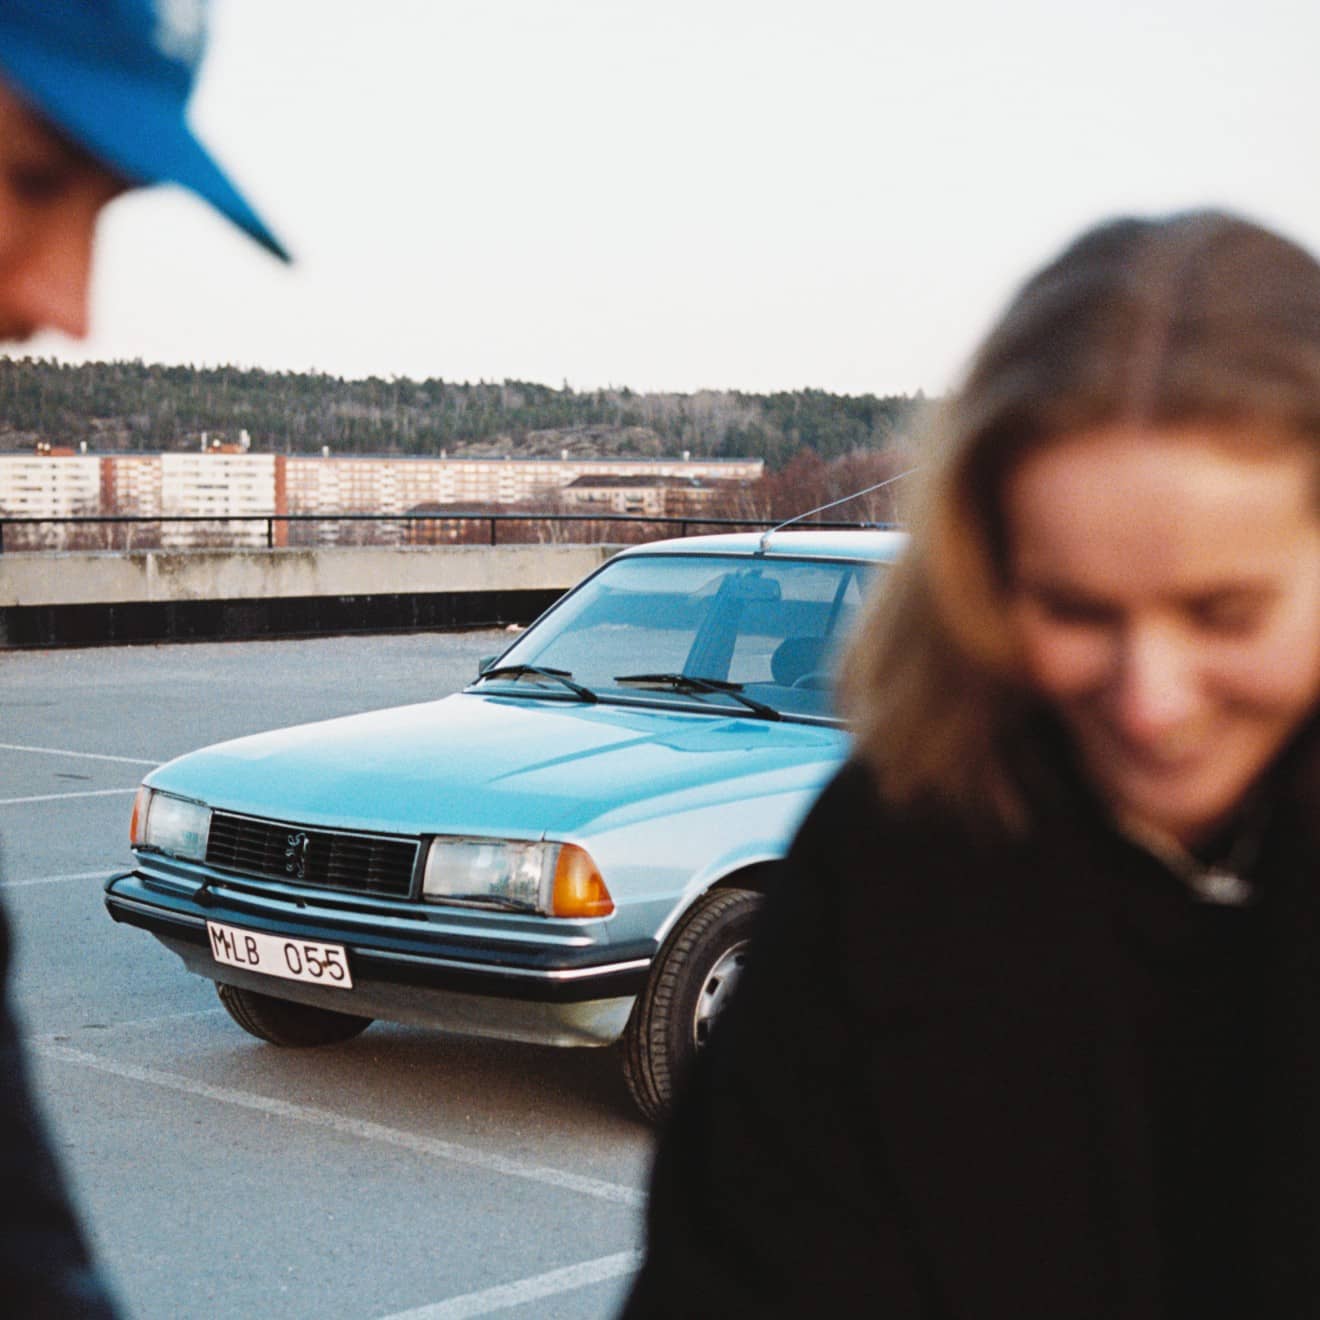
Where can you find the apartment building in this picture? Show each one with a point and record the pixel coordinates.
(49, 485)
(226, 485)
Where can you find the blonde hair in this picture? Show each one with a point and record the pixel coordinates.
(1198, 317)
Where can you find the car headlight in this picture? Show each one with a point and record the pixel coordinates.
(164, 823)
(554, 879)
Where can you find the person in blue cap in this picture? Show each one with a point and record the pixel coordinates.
(93, 102)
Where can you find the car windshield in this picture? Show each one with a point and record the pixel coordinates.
(732, 633)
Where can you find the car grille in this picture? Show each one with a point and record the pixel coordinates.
(327, 859)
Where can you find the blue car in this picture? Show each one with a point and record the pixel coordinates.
(570, 851)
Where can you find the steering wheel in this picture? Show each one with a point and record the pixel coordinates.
(814, 678)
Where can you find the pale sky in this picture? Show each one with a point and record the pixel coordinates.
(725, 194)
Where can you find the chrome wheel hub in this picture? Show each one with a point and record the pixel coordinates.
(715, 991)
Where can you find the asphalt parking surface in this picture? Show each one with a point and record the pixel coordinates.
(404, 1174)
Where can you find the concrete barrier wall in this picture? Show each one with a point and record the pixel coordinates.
(94, 597)
(107, 577)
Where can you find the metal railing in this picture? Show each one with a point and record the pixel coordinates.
(636, 525)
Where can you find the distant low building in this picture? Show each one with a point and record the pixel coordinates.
(439, 524)
(654, 494)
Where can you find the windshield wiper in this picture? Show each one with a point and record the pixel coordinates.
(690, 683)
(562, 676)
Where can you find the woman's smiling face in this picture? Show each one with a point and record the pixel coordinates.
(1165, 588)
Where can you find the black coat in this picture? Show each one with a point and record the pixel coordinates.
(929, 1096)
(45, 1269)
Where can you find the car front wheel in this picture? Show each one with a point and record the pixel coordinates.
(693, 976)
(282, 1022)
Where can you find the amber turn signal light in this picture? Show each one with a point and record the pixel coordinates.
(137, 822)
(579, 889)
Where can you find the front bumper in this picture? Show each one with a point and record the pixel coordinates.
(509, 978)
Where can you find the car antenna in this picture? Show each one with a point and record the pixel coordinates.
(764, 543)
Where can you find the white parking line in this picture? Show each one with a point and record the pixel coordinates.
(54, 1038)
(59, 797)
(171, 1017)
(86, 756)
(352, 1127)
(508, 1295)
(102, 874)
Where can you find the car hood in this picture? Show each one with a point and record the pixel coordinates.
(514, 766)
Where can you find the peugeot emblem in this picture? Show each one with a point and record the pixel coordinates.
(295, 854)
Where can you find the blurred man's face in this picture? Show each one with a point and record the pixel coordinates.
(51, 194)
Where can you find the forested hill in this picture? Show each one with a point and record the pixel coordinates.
(127, 406)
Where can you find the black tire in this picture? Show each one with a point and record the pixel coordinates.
(694, 971)
(282, 1022)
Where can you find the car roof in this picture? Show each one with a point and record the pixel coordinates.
(876, 545)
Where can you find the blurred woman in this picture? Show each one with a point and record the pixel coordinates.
(1032, 1024)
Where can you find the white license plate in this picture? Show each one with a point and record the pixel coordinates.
(275, 955)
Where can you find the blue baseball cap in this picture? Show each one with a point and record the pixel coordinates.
(115, 76)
